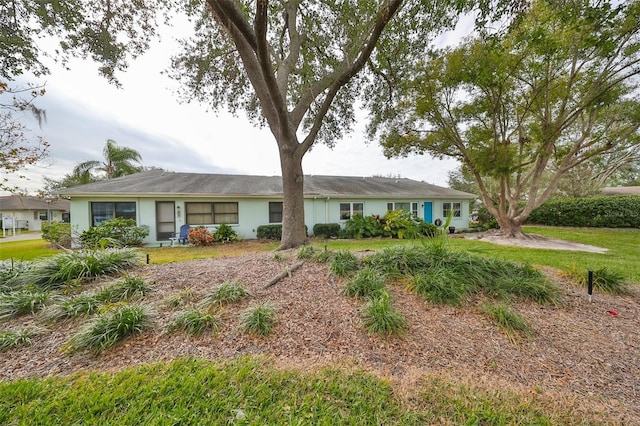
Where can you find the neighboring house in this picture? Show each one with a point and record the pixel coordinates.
(164, 201)
(30, 212)
(621, 190)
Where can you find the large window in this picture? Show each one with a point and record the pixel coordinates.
(447, 207)
(105, 211)
(275, 212)
(211, 213)
(408, 207)
(348, 210)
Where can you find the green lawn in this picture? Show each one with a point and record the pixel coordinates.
(26, 250)
(249, 391)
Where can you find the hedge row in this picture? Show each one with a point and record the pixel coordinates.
(621, 211)
(272, 232)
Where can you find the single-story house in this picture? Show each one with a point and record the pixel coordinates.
(164, 201)
(22, 212)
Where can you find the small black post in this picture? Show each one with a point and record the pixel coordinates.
(590, 284)
(148, 257)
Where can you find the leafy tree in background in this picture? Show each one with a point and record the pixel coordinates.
(298, 67)
(521, 109)
(118, 161)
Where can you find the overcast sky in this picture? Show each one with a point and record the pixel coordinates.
(83, 111)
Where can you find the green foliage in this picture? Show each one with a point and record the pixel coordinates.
(269, 232)
(399, 260)
(400, 224)
(21, 302)
(511, 322)
(359, 226)
(379, 316)
(227, 293)
(9, 270)
(195, 322)
(128, 288)
(57, 233)
(326, 230)
(110, 327)
(605, 280)
(306, 252)
(343, 263)
(82, 304)
(13, 339)
(57, 270)
(116, 232)
(621, 211)
(259, 320)
(441, 284)
(180, 298)
(200, 236)
(366, 283)
(427, 229)
(225, 233)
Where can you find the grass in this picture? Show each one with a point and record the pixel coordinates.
(366, 283)
(379, 316)
(160, 255)
(343, 263)
(510, 321)
(195, 322)
(227, 293)
(26, 250)
(250, 391)
(259, 320)
(127, 288)
(14, 338)
(21, 302)
(110, 327)
(604, 280)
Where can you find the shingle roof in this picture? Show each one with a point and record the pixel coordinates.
(160, 183)
(18, 202)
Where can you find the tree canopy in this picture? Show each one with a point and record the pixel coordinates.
(520, 109)
(118, 161)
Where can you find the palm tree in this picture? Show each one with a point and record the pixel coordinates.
(118, 161)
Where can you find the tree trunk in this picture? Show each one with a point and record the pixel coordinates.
(510, 227)
(293, 231)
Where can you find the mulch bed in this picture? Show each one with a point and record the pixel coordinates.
(579, 353)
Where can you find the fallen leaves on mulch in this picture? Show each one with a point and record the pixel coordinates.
(578, 351)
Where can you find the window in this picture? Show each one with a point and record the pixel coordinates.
(348, 210)
(275, 212)
(211, 213)
(105, 211)
(447, 207)
(165, 219)
(41, 215)
(407, 207)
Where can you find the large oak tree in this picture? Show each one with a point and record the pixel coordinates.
(296, 66)
(520, 109)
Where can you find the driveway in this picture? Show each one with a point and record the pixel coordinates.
(20, 237)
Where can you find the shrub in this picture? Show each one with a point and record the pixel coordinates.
(269, 232)
(511, 322)
(344, 262)
(54, 271)
(21, 302)
(225, 233)
(326, 230)
(226, 293)
(379, 316)
(427, 229)
(110, 327)
(57, 233)
(200, 236)
(366, 283)
(611, 212)
(13, 339)
(195, 322)
(259, 320)
(116, 232)
(400, 224)
(360, 226)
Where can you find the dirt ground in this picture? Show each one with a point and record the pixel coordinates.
(580, 354)
(533, 241)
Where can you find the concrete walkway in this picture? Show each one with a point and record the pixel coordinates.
(19, 237)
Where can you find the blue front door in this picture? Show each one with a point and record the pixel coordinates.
(428, 211)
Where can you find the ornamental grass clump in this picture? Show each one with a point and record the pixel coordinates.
(380, 317)
(82, 304)
(441, 285)
(195, 322)
(366, 283)
(55, 271)
(21, 302)
(400, 261)
(227, 293)
(259, 320)
(14, 338)
(344, 263)
(510, 321)
(9, 271)
(128, 288)
(604, 279)
(306, 252)
(110, 327)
